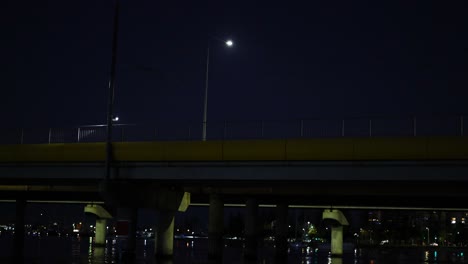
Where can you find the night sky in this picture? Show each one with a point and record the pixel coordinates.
(290, 60)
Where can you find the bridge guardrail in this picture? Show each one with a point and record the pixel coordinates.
(231, 130)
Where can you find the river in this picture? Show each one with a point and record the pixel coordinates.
(194, 251)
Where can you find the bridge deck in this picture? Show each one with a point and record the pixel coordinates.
(333, 149)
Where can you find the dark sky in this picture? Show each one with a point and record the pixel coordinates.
(292, 59)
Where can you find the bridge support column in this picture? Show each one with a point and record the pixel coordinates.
(101, 223)
(337, 220)
(101, 231)
(168, 202)
(337, 240)
(251, 232)
(165, 235)
(216, 228)
(18, 246)
(281, 231)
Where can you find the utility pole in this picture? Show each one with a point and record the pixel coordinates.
(110, 103)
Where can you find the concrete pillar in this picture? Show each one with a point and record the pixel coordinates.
(337, 240)
(165, 235)
(18, 240)
(251, 232)
(168, 202)
(337, 260)
(281, 231)
(215, 228)
(101, 231)
(101, 222)
(98, 255)
(337, 220)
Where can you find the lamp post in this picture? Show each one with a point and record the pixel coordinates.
(110, 103)
(228, 43)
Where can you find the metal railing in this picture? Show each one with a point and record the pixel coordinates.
(255, 129)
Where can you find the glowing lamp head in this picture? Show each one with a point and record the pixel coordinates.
(115, 119)
(229, 43)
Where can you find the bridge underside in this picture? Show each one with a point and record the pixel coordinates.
(432, 194)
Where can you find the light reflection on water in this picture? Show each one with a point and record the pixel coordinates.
(82, 251)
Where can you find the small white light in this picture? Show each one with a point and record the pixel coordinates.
(229, 43)
(115, 118)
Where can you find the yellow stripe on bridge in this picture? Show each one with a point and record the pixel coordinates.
(336, 149)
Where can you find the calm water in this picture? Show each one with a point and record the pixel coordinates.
(78, 251)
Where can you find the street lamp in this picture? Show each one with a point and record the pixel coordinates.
(228, 43)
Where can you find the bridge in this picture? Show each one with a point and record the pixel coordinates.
(422, 171)
(332, 170)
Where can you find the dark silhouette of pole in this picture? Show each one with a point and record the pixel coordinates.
(205, 100)
(110, 103)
